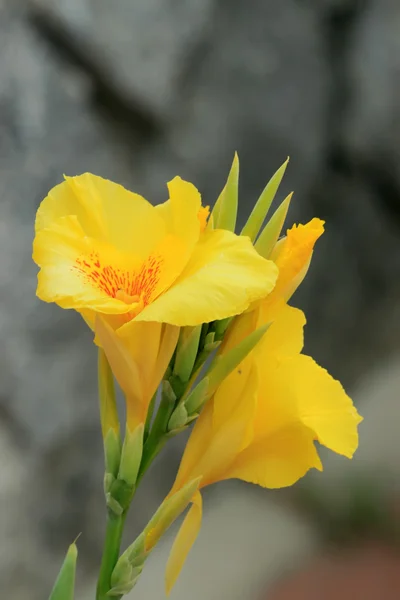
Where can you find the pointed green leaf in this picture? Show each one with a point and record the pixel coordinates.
(64, 586)
(226, 363)
(263, 204)
(225, 210)
(271, 232)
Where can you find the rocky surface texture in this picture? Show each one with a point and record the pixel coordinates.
(139, 92)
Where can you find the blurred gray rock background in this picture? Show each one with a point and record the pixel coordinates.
(139, 92)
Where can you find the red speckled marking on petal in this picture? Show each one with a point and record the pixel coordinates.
(110, 279)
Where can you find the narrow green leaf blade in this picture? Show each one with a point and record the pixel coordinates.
(64, 586)
(263, 204)
(225, 210)
(271, 232)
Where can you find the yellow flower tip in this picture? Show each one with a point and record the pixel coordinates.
(203, 216)
(306, 235)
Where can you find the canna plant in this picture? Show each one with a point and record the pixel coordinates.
(192, 321)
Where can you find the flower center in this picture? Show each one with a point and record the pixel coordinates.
(137, 287)
(127, 298)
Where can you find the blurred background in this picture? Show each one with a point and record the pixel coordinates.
(139, 91)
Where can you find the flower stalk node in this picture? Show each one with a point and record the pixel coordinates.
(113, 506)
(108, 482)
(120, 495)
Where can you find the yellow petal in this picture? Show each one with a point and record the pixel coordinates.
(323, 405)
(240, 328)
(235, 395)
(224, 428)
(199, 439)
(180, 212)
(81, 273)
(183, 542)
(168, 342)
(142, 344)
(278, 460)
(75, 272)
(169, 510)
(125, 371)
(285, 334)
(223, 276)
(291, 255)
(150, 346)
(106, 211)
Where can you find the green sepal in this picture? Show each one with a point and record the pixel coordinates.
(129, 566)
(263, 204)
(197, 396)
(135, 554)
(64, 586)
(108, 482)
(271, 232)
(128, 585)
(186, 352)
(226, 363)
(112, 451)
(170, 510)
(225, 210)
(178, 418)
(131, 455)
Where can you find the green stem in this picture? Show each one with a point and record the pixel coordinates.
(111, 549)
(151, 450)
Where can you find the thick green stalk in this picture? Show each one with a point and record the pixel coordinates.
(112, 544)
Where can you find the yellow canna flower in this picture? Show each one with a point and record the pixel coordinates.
(263, 421)
(101, 248)
(138, 272)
